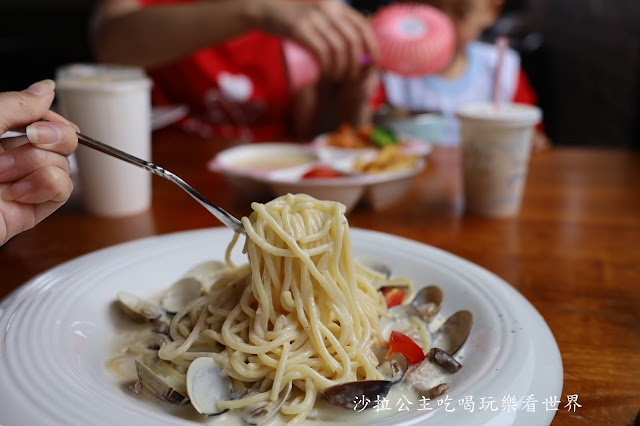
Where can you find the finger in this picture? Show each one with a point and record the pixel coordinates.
(45, 184)
(23, 108)
(337, 49)
(13, 142)
(55, 137)
(24, 160)
(341, 18)
(315, 42)
(366, 34)
(51, 116)
(353, 49)
(54, 116)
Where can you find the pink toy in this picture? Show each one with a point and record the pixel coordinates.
(414, 40)
(301, 65)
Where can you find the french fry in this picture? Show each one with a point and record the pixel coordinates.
(389, 159)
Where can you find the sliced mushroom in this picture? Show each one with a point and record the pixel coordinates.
(444, 360)
(206, 385)
(347, 395)
(453, 332)
(262, 412)
(138, 309)
(157, 386)
(428, 301)
(394, 367)
(436, 391)
(180, 294)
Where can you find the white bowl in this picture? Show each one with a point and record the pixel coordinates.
(380, 190)
(427, 127)
(246, 166)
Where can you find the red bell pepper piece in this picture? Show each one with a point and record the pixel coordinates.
(393, 296)
(321, 172)
(399, 343)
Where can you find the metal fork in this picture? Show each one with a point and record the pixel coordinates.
(215, 210)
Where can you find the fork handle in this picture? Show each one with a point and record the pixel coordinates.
(221, 214)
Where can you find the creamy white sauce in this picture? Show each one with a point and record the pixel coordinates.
(266, 162)
(123, 370)
(122, 367)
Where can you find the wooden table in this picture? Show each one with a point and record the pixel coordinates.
(574, 250)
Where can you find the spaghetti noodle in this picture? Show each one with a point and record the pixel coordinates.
(301, 314)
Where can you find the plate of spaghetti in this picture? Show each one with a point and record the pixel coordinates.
(296, 322)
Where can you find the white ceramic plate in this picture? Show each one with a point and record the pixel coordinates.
(56, 330)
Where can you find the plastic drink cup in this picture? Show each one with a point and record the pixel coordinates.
(496, 146)
(113, 105)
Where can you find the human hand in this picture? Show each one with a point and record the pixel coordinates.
(337, 35)
(354, 97)
(34, 169)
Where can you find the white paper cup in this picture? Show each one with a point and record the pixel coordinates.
(113, 105)
(496, 145)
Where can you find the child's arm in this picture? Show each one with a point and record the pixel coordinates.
(127, 33)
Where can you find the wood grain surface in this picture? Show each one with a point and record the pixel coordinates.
(573, 251)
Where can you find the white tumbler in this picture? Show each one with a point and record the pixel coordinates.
(113, 105)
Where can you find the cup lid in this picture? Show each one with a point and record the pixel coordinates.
(101, 77)
(506, 114)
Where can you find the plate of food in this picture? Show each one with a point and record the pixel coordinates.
(379, 175)
(349, 143)
(301, 321)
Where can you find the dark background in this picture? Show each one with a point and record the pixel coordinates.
(36, 36)
(582, 57)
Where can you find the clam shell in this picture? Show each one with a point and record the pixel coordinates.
(428, 301)
(206, 385)
(157, 386)
(394, 367)
(453, 332)
(347, 395)
(180, 294)
(138, 309)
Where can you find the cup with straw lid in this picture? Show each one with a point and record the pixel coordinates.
(496, 145)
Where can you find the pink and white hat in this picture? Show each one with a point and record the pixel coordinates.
(414, 39)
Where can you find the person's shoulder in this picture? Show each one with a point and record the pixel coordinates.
(487, 54)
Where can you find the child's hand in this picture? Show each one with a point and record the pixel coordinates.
(336, 34)
(34, 169)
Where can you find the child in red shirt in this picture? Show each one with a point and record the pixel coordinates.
(236, 85)
(470, 75)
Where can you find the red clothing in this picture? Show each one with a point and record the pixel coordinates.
(524, 92)
(235, 90)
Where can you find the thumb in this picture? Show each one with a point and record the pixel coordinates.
(19, 109)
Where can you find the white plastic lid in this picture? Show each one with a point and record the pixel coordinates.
(101, 77)
(507, 114)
